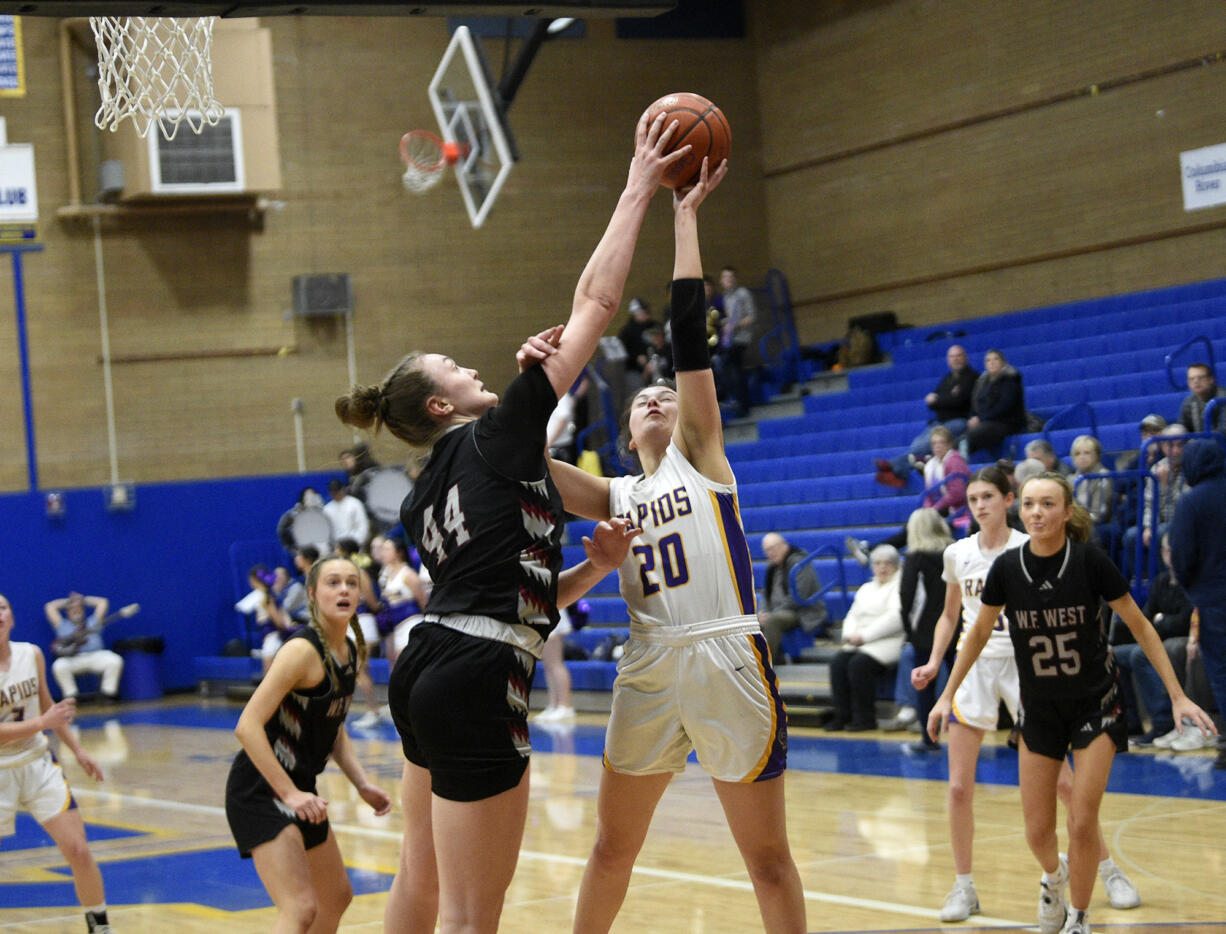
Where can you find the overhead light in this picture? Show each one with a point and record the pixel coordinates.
(560, 25)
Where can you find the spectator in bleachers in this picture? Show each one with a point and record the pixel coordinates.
(736, 336)
(998, 404)
(1198, 560)
(294, 600)
(1202, 389)
(659, 357)
(872, 642)
(1170, 610)
(1041, 450)
(950, 403)
(347, 514)
(922, 598)
(359, 466)
(1096, 495)
(779, 612)
(1151, 427)
(632, 336)
(1171, 484)
(945, 497)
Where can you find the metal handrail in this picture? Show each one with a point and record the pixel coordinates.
(783, 334)
(809, 559)
(1065, 413)
(1170, 358)
(1211, 410)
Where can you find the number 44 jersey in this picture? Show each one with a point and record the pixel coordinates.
(691, 564)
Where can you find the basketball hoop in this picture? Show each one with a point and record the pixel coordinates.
(424, 154)
(155, 69)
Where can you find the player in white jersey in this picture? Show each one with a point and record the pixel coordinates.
(696, 672)
(992, 679)
(30, 777)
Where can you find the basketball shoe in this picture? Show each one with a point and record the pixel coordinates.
(961, 903)
(1078, 922)
(1051, 903)
(1120, 891)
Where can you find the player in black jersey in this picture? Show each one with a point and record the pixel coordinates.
(487, 521)
(1050, 589)
(294, 721)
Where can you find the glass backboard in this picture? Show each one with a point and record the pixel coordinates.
(469, 111)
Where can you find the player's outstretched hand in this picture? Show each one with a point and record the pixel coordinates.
(938, 719)
(308, 807)
(1184, 707)
(377, 798)
(708, 181)
(92, 769)
(60, 714)
(651, 158)
(610, 541)
(921, 676)
(538, 347)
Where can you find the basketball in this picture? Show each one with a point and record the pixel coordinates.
(701, 125)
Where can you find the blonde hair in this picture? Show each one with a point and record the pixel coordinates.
(927, 531)
(397, 401)
(1080, 525)
(1084, 441)
(313, 620)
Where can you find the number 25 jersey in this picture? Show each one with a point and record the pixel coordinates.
(691, 564)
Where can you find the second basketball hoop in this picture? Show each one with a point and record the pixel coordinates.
(425, 154)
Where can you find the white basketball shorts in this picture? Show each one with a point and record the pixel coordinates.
(990, 681)
(38, 787)
(708, 687)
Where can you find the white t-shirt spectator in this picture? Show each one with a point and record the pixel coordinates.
(348, 518)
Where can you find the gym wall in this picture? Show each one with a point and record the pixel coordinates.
(208, 360)
(962, 158)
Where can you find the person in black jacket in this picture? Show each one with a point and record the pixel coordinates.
(950, 404)
(1198, 559)
(1170, 610)
(779, 612)
(922, 593)
(998, 404)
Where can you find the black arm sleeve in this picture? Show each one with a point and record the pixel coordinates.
(687, 317)
(511, 436)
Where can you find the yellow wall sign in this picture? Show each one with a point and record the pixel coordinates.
(12, 63)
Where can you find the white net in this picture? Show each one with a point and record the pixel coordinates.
(423, 156)
(155, 70)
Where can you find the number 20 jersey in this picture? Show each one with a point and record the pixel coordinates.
(692, 563)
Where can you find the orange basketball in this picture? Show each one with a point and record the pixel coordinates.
(702, 125)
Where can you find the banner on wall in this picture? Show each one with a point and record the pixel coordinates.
(1204, 177)
(12, 66)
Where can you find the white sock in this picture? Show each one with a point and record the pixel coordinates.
(1052, 878)
(964, 880)
(1106, 865)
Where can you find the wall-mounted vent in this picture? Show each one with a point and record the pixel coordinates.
(204, 163)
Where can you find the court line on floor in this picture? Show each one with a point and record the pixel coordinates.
(669, 875)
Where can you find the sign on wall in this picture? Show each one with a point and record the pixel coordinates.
(1204, 177)
(18, 192)
(12, 66)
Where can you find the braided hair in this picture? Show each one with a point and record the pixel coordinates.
(314, 621)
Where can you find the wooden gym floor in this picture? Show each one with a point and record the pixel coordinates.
(867, 825)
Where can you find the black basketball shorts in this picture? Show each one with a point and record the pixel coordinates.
(256, 815)
(1053, 727)
(460, 703)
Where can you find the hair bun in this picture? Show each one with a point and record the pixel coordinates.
(360, 406)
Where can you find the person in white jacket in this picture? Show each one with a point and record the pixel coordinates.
(872, 641)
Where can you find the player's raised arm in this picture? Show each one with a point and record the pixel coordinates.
(599, 292)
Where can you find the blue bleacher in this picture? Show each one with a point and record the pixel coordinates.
(810, 476)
